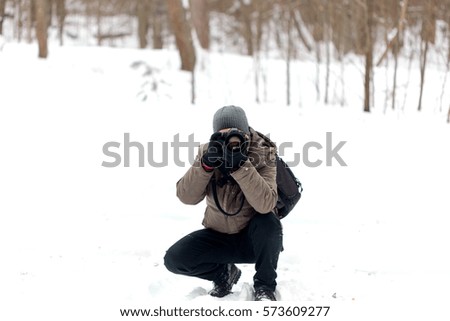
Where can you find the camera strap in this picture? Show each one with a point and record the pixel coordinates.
(216, 200)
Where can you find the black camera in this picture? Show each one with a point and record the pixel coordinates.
(235, 141)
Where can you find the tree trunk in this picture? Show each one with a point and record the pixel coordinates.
(61, 14)
(262, 9)
(341, 59)
(200, 20)
(300, 32)
(394, 85)
(328, 40)
(288, 59)
(369, 54)
(143, 8)
(444, 85)
(31, 20)
(410, 63)
(156, 9)
(2, 14)
(193, 87)
(41, 27)
(397, 38)
(428, 35)
(448, 38)
(318, 62)
(49, 14)
(182, 31)
(98, 15)
(423, 63)
(447, 70)
(257, 69)
(394, 42)
(18, 20)
(245, 11)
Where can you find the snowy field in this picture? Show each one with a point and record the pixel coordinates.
(79, 240)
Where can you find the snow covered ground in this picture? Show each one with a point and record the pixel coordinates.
(80, 241)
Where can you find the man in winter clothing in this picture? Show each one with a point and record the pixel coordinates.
(236, 172)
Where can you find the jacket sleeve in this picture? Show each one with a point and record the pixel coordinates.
(259, 186)
(191, 188)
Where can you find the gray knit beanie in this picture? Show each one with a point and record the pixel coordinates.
(230, 117)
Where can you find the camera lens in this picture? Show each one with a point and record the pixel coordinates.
(234, 146)
(235, 141)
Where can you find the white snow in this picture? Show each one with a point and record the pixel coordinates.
(80, 241)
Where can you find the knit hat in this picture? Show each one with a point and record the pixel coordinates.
(230, 117)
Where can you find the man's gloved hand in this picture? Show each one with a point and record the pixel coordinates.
(235, 151)
(214, 154)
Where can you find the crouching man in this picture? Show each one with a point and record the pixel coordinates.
(236, 172)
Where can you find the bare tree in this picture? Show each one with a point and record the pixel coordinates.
(312, 15)
(263, 10)
(410, 63)
(428, 34)
(200, 20)
(423, 62)
(288, 57)
(244, 13)
(340, 30)
(182, 32)
(368, 53)
(394, 44)
(299, 27)
(259, 21)
(183, 38)
(328, 35)
(41, 27)
(447, 69)
(31, 21)
(18, 12)
(49, 13)
(395, 40)
(143, 11)
(99, 16)
(157, 13)
(448, 32)
(397, 49)
(61, 15)
(2, 14)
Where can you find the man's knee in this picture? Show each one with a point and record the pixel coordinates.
(173, 261)
(169, 261)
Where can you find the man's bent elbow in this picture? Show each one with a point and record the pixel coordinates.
(188, 199)
(268, 205)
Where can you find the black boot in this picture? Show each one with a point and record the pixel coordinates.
(264, 295)
(225, 281)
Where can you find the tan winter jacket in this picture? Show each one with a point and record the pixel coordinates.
(256, 180)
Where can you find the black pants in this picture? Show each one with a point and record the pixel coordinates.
(205, 253)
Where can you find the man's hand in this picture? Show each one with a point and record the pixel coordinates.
(214, 154)
(235, 152)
